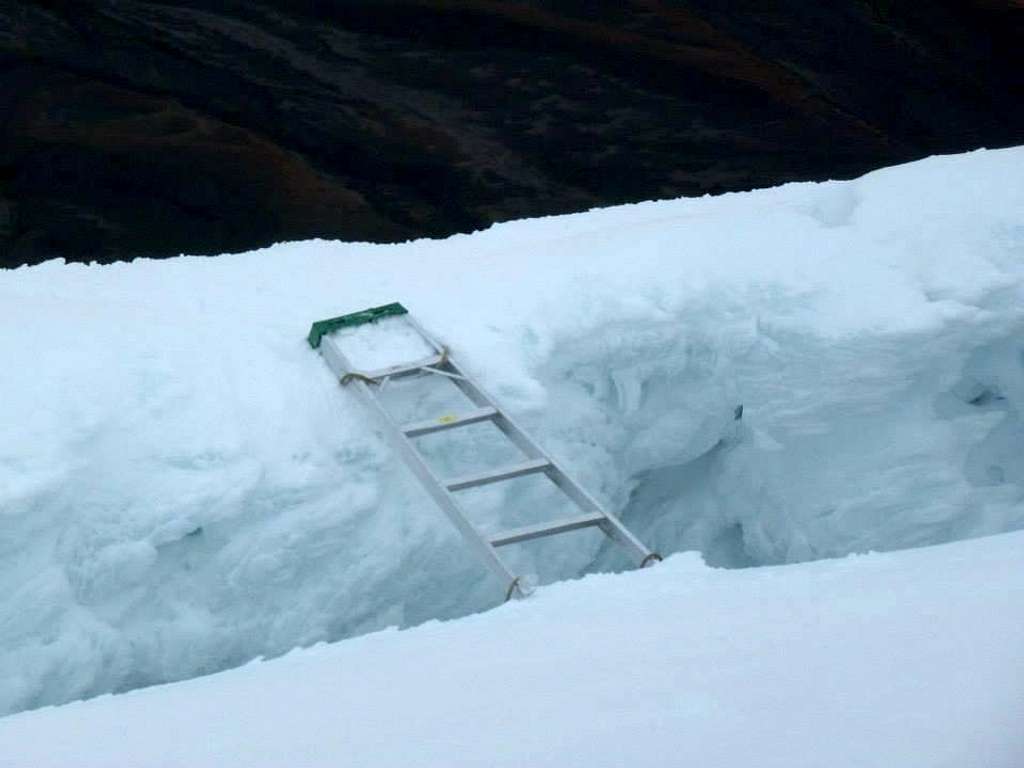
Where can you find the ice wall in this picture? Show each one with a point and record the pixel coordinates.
(898, 442)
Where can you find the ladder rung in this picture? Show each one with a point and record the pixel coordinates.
(496, 476)
(546, 529)
(404, 369)
(449, 422)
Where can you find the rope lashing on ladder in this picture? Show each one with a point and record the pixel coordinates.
(512, 588)
(348, 378)
(652, 557)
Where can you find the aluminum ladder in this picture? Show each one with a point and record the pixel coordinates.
(443, 491)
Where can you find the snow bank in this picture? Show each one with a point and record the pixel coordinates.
(912, 659)
(183, 486)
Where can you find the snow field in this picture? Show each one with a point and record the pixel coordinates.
(184, 487)
(912, 659)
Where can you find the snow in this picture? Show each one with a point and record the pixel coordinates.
(184, 487)
(911, 659)
(390, 341)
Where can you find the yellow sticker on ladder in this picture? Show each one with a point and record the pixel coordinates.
(447, 419)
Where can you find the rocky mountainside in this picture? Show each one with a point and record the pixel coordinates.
(154, 128)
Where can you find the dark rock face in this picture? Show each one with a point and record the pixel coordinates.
(144, 128)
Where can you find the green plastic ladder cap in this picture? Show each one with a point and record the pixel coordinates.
(321, 328)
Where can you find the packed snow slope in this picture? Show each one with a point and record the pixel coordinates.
(912, 659)
(184, 486)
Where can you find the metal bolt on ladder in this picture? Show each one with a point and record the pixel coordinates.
(402, 438)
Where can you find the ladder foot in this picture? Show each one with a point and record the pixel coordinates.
(521, 587)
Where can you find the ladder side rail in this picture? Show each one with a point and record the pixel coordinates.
(511, 430)
(612, 526)
(431, 482)
(480, 398)
(434, 343)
